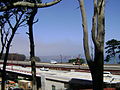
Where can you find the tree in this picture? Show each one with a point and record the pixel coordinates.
(30, 23)
(98, 34)
(113, 48)
(8, 4)
(10, 17)
(32, 13)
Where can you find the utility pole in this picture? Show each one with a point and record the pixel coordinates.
(61, 58)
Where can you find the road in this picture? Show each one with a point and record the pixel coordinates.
(63, 65)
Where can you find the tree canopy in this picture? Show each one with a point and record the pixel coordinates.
(112, 49)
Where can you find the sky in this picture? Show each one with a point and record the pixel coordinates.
(59, 29)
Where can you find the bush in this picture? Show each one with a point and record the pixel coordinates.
(77, 60)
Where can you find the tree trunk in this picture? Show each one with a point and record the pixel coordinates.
(32, 50)
(96, 65)
(97, 70)
(5, 63)
(98, 83)
(115, 60)
(1, 53)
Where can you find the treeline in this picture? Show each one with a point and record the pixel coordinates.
(15, 56)
(18, 57)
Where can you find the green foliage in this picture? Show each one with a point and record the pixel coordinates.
(113, 48)
(37, 59)
(72, 60)
(81, 60)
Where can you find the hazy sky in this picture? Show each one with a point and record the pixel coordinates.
(59, 29)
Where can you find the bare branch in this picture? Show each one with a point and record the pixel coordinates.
(28, 4)
(101, 23)
(27, 33)
(35, 21)
(22, 22)
(3, 40)
(94, 23)
(85, 30)
(9, 23)
(2, 35)
(16, 17)
(100, 4)
(6, 35)
(23, 25)
(18, 22)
